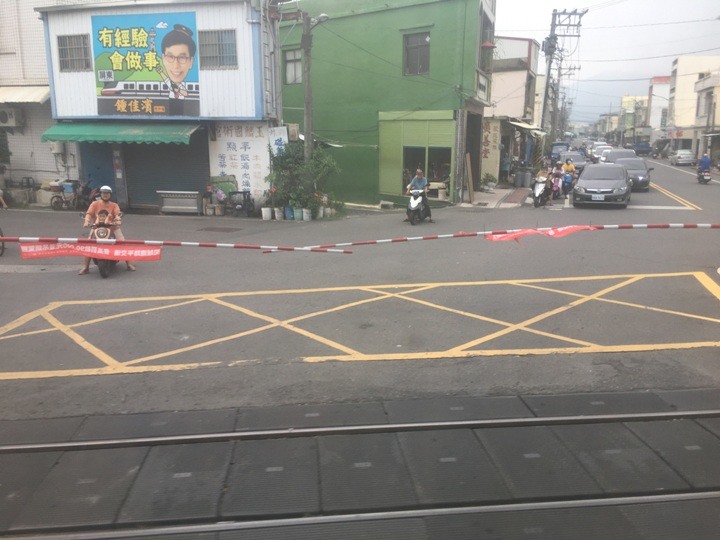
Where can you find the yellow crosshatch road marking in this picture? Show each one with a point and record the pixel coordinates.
(478, 331)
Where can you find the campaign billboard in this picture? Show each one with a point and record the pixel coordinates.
(146, 65)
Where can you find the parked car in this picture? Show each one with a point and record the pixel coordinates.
(603, 184)
(642, 148)
(616, 154)
(578, 159)
(638, 171)
(598, 150)
(682, 157)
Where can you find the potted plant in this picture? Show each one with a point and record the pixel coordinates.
(488, 182)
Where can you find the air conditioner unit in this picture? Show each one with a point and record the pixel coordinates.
(10, 117)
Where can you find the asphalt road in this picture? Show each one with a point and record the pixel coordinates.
(207, 328)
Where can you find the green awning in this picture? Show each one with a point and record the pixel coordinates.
(121, 133)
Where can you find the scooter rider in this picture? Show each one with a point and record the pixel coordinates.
(113, 210)
(705, 163)
(420, 182)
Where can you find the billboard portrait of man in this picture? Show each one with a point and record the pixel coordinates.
(135, 76)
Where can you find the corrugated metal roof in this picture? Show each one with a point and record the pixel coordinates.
(24, 94)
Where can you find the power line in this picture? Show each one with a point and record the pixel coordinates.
(500, 32)
(654, 57)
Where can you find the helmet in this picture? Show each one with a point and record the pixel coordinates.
(559, 163)
(568, 160)
(105, 189)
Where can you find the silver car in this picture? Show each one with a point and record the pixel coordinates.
(602, 184)
(682, 157)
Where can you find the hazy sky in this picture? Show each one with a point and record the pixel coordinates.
(619, 39)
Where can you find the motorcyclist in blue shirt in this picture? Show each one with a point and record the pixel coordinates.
(420, 182)
(705, 163)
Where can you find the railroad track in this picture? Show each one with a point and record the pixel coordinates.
(402, 480)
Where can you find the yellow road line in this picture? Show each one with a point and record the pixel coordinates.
(488, 319)
(81, 341)
(104, 319)
(18, 322)
(708, 283)
(676, 198)
(484, 353)
(629, 304)
(287, 326)
(382, 292)
(544, 316)
(9, 376)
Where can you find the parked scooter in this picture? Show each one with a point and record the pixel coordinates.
(540, 191)
(704, 176)
(417, 209)
(241, 203)
(102, 230)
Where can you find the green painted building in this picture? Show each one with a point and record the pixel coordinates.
(396, 85)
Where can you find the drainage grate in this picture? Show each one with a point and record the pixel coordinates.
(220, 229)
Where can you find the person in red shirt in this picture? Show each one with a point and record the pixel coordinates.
(113, 211)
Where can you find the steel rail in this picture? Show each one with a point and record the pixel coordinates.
(287, 433)
(358, 517)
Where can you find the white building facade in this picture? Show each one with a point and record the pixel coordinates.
(154, 96)
(25, 95)
(682, 113)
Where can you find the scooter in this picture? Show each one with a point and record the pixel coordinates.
(704, 176)
(103, 231)
(417, 210)
(540, 191)
(567, 183)
(241, 203)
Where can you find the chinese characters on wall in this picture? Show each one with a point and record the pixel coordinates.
(491, 147)
(241, 150)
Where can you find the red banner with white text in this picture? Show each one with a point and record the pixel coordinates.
(556, 232)
(40, 250)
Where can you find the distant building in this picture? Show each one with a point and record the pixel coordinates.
(707, 117)
(683, 107)
(514, 84)
(657, 109)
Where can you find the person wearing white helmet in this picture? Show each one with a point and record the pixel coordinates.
(113, 210)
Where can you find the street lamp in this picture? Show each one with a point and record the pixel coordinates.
(306, 44)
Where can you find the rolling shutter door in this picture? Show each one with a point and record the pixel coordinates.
(171, 167)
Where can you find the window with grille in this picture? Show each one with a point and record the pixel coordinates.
(218, 49)
(417, 53)
(74, 53)
(293, 66)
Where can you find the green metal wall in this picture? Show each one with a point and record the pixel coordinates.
(399, 130)
(357, 73)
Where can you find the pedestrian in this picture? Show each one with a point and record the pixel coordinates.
(2, 201)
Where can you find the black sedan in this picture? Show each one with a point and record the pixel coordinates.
(602, 184)
(638, 171)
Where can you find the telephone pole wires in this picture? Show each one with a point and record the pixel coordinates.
(564, 24)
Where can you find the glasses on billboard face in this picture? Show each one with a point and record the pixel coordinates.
(182, 59)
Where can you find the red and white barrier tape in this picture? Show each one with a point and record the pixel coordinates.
(511, 234)
(508, 234)
(52, 240)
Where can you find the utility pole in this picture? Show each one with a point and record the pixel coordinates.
(306, 45)
(564, 24)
